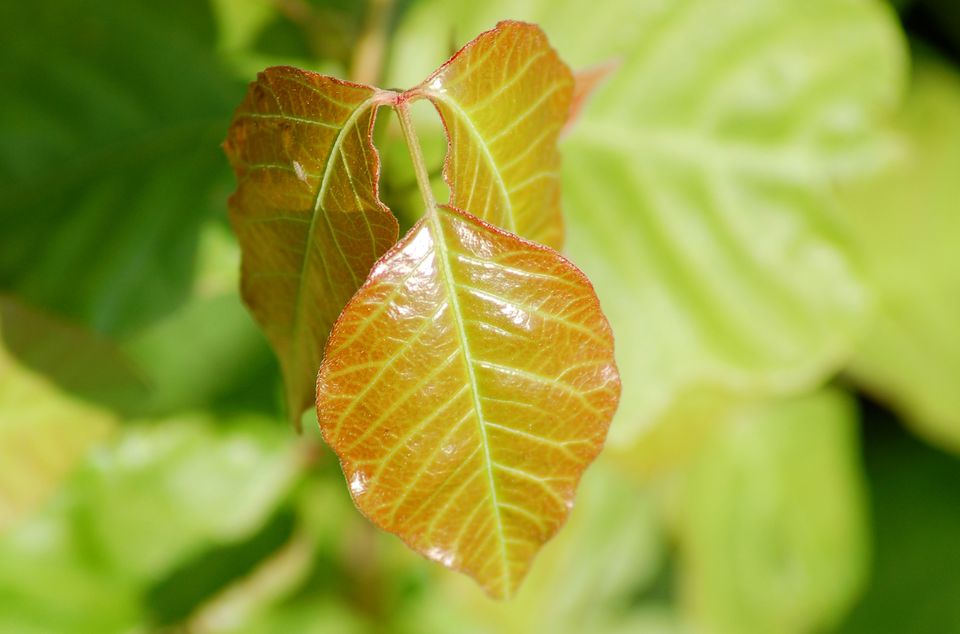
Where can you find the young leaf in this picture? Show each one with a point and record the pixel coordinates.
(306, 211)
(504, 98)
(465, 388)
(698, 183)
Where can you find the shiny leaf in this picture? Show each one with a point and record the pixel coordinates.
(465, 389)
(607, 553)
(906, 224)
(698, 182)
(504, 98)
(306, 210)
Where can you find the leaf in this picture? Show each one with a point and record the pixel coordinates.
(94, 367)
(698, 182)
(306, 210)
(773, 522)
(907, 232)
(163, 491)
(457, 428)
(503, 99)
(586, 82)
(607, 554)
(108, 169)
(44, 434)
(154, 497)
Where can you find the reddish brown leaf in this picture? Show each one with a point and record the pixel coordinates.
(504, 98)
(306, 210)
(586, 81)
(465, 388)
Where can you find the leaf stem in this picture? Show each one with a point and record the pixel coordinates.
(416, 154)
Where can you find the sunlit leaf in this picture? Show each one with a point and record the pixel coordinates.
(503, 99)
(153, 497)
(773, 523)
(44, 434)
(162, 492)
(458, 426)
(698, 182)
(907, 228)
(306, 210)
(607, 554)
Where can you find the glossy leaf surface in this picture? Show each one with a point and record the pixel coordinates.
(306, 211)
(699, 182)
(906, 224)
(465, 389)
(504, 98)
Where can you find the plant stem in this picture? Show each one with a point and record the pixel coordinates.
(416, 156)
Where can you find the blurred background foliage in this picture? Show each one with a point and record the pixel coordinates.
(766, 194)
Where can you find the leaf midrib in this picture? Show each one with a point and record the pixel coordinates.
(435, 226)
(436, 230)
(318, 200)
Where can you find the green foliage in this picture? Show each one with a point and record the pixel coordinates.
(907, 229)
(111, 119)
(774, 520)
(760, 217)
(699, 181)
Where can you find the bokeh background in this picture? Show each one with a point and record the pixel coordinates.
(766, 194)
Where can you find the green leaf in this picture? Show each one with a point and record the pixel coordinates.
(698, 182)
(76, 359)
(109, 163)
(44, 434)
(155, 497)
(907, 228)
(773, 522)
(164, 491)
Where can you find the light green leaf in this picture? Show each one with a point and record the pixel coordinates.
(201, 354)
(773, 527)
(158, 495)
(164, 491)
(44, 434)
(907, 227)
(698, 183)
